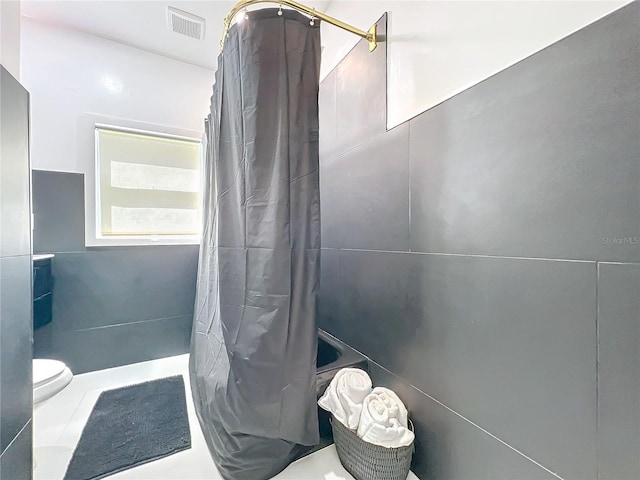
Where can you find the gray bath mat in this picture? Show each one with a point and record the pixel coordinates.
(130, 426)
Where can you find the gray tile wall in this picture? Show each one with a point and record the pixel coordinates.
(16, 324)
(111, 306)
(618, 367)
(58, 211)
(17, 459)
(485, 255)
(119, 305)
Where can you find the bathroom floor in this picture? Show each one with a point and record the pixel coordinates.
(58, 424)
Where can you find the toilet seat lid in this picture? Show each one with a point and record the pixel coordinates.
(46, 370)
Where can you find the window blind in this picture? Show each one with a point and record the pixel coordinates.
(147, 184)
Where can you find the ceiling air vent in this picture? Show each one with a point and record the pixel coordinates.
(185, 23)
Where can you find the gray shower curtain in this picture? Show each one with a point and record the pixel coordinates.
(254, 339)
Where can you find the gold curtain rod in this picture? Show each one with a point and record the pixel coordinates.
(369, 36)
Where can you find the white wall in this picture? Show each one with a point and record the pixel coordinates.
(10, 36)
(439, 48)
(77, 80)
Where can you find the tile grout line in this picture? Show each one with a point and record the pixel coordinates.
(18, 255)
(404, 252)
(471, 422)
(409, 180)
(603, 262)
(73, 414)
(597, 369)
(13, 440)
(136, 322)
(490, 434)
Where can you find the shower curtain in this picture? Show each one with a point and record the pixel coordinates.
(254, 339)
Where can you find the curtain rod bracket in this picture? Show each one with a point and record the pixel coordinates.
(369, 36)
(372, 37)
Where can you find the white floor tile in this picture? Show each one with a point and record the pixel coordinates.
(58, 424)
(323, 464)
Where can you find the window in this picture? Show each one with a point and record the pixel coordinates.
(147, 184)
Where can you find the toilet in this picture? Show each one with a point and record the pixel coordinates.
(49, 378)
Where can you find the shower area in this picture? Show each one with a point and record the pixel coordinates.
(254, 337)
(258, 362)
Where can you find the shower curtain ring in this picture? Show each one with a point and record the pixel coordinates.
(312, 22)
(280, 10)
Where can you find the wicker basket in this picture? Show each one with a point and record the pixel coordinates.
(366, 461)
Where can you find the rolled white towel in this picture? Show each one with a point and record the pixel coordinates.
(345, 394)
(383, 420)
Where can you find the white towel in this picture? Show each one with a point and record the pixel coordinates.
(344, 395)
(383, 420)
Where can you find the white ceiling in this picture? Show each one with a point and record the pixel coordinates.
(143, 23)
